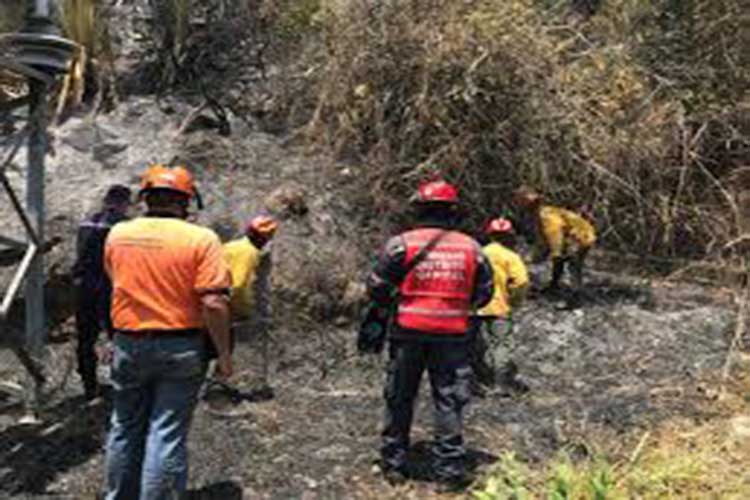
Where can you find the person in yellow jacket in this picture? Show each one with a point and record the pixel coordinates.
(492, 345)
(563, 235)
(250, 264)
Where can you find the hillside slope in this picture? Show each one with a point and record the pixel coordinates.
(641, 392)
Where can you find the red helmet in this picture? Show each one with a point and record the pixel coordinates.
(262, 225)
(499, 226)
(437, 191)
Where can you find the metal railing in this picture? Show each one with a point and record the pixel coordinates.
(33, 240)
(38, 54)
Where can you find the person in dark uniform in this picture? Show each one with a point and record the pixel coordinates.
(94, 289)
(438, 276)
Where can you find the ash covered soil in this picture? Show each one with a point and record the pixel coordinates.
(639, 355)
(636, 356)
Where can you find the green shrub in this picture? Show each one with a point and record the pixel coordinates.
(507, 481)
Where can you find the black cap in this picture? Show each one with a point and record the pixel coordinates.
(117, 194)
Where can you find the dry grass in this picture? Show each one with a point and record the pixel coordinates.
(637, 108)
(613, 110)
(79, 21)
(11, 14)
(91, 70)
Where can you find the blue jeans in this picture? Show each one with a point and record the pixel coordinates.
(156, 383)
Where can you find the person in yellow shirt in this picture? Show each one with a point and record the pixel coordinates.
(249, 261)
(563, 235)
(492, 346)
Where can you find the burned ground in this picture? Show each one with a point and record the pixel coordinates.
(639, 356)
(642, 366)
(601, 376)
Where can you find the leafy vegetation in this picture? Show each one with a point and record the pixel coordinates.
(675, 469)
(508, 480)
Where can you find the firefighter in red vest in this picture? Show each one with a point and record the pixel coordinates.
(437, 276)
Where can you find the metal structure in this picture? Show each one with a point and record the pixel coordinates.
(38, 54)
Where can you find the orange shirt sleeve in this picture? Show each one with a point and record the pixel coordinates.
(212, 273)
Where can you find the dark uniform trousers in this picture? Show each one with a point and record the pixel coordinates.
(448, 368)
(92, 317)
(94, 291)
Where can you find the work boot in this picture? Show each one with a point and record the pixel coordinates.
(452, 484)
(395, 477)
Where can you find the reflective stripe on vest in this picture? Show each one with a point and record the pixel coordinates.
(95, 224)
(436, 294)
(445, 313)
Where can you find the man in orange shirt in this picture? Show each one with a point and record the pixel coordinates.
(170, 297)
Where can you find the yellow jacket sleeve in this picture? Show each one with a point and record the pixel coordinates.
(580, 230)
(552, 229)
(510, 278)
(242, 258)
(518, 279)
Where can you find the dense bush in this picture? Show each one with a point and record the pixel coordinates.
(635, 107)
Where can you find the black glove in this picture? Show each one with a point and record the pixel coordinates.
(370, 339)
(373, 328)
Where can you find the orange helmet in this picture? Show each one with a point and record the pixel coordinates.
(499, 226)
(526, 197)
(262, 225)
(437, 191)
(177, 179)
